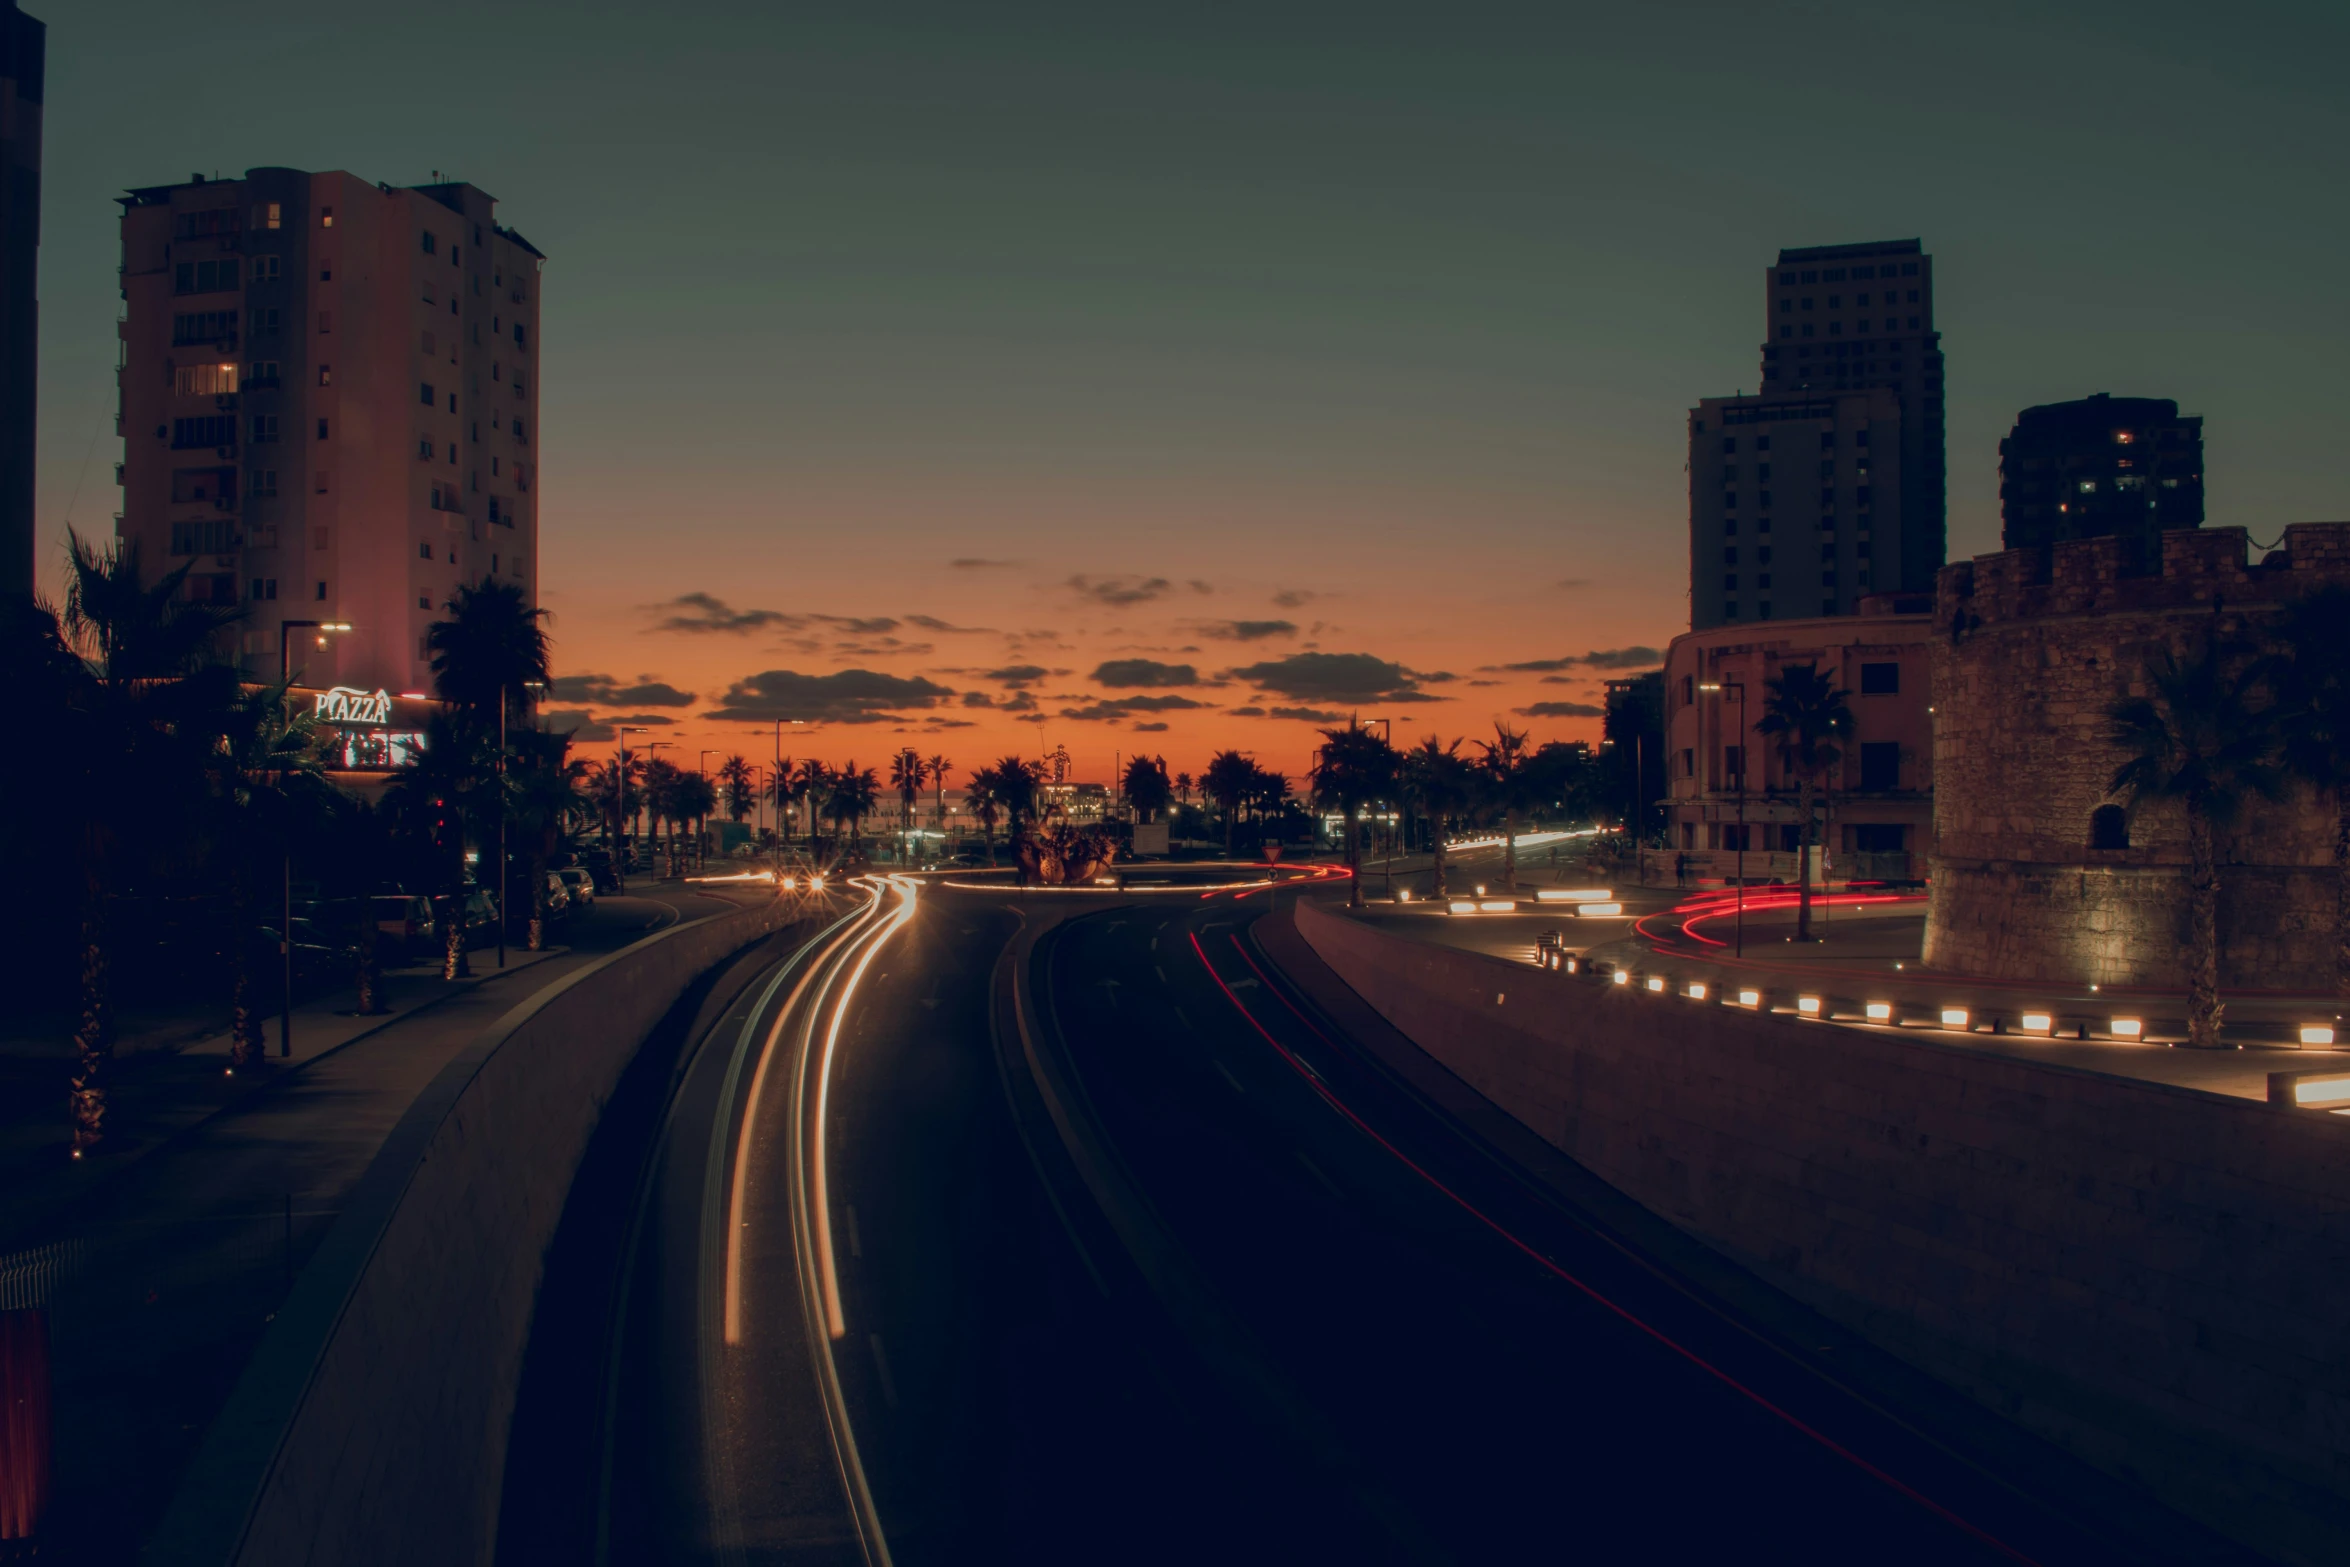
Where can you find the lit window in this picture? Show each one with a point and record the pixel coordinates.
(271, 216)
(326, 217)
(204, 380)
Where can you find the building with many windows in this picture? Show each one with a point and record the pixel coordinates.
(2128, 467)
(23, 51)
(1732, 803)
(329, 400)
(1829, 485)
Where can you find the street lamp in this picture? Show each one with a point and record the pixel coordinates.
(1739, 686)
(620, 805)
(662, 745)
(285, 943)
(504, 886)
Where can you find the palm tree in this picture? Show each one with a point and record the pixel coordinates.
(1266, 799)
(1183, 787)
(141, 700)
(937, 767)
(1504, 765)
(815, 779)
(1354, 767)
(1441, 782)
(1805, 709)
(660, 793)
(1146, 786)
(2203, 735)
(2311, 677)
(491, 650)
(433, 800)
(740, 788)
(854, 792)
(692, 800)
(1226, 780)
(1013, 785)
(269, 770)
(906, 773)
(982, 798)
(543, 797)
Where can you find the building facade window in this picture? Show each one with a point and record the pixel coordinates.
(2109, 828)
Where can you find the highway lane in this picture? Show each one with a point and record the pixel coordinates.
(1112, 1248)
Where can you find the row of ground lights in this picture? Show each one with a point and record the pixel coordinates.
(1954, 1019)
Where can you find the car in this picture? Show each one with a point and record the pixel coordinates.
(581, 884)
(403, 923)
(558, 897)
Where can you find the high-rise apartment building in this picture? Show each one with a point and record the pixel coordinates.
(23, 44)
(1828, 485)
(2126, 466)
(329, 398)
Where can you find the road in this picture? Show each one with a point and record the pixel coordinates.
(1068, 1229)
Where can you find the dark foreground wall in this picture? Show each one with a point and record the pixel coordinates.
(372, 1425)
(2157, 1278)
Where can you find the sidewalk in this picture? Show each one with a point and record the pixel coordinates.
(166, 1257)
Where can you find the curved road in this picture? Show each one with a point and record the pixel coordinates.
(1069, 1228)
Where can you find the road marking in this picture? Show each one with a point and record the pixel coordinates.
(856, 1241)
(1162, 973)
(1180, 1018)
(1109, 990)
(889, 1386)
(1229, 1078)
(1154, 944)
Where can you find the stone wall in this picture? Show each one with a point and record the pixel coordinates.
(2147, 1275)
(2032, 649)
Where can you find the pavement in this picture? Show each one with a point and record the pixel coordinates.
(1869, 951)
(163, 1257)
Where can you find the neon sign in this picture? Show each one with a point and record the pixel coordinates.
(348, 705)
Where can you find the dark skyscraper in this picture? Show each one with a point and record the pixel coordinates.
(1852, 398)
(23, 42)
(2127, 466)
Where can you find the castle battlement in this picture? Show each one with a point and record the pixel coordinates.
(2201, 568)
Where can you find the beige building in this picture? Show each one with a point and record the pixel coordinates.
(329, 409)
(1727, 788)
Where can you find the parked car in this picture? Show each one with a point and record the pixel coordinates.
(597, 863)
(558, 898)
(403, 924)
(581, 884)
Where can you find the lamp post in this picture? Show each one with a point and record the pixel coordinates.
(1739, 686)
(662, 745)
(701, 852)
(285, 941)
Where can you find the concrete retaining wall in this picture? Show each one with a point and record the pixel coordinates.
(2151, 1276)
(371, 1426)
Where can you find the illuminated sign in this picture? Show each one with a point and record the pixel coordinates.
(347, 705)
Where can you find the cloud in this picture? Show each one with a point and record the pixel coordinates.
(933, 623)
(881, 647)
(1248, 712)
(977, 699)
(1598, 658)
(1126, 707)
(1336, 677)
(1198, 586)
(1017, 675)
(1126, 672)
(1120, 591)
(640, 720)
(604, 691)
(1484, 682)
(1245, 630)
(703, 612)
(1308, 715)
(1293, 598)
(1574, 582)
(1020, 702)
(579, 724)
(850, 696)
(976, 563)
(1562, 710)
(1150, 729)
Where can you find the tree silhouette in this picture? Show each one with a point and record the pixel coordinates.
(1804, 710)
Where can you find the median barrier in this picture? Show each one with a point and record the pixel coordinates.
(2149, 1275)
(371, 1424)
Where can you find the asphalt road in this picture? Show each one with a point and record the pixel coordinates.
(1067, 1229)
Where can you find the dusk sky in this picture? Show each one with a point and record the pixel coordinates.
(1073, 377)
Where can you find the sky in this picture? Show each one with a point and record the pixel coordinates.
(996, 379)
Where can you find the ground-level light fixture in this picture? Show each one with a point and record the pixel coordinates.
(1697, 990)
(2324, 1091)
(1750, 998)
(2037, 1023)
(2317, 1034)
(1574, 894)
(1497, 906)
(1462, 906)
(1623, 978)
(1808, 1006)
(1954, 1017)
(1597, 911)
(2128, 1028)
(1656, 982)
(1880, 1011)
